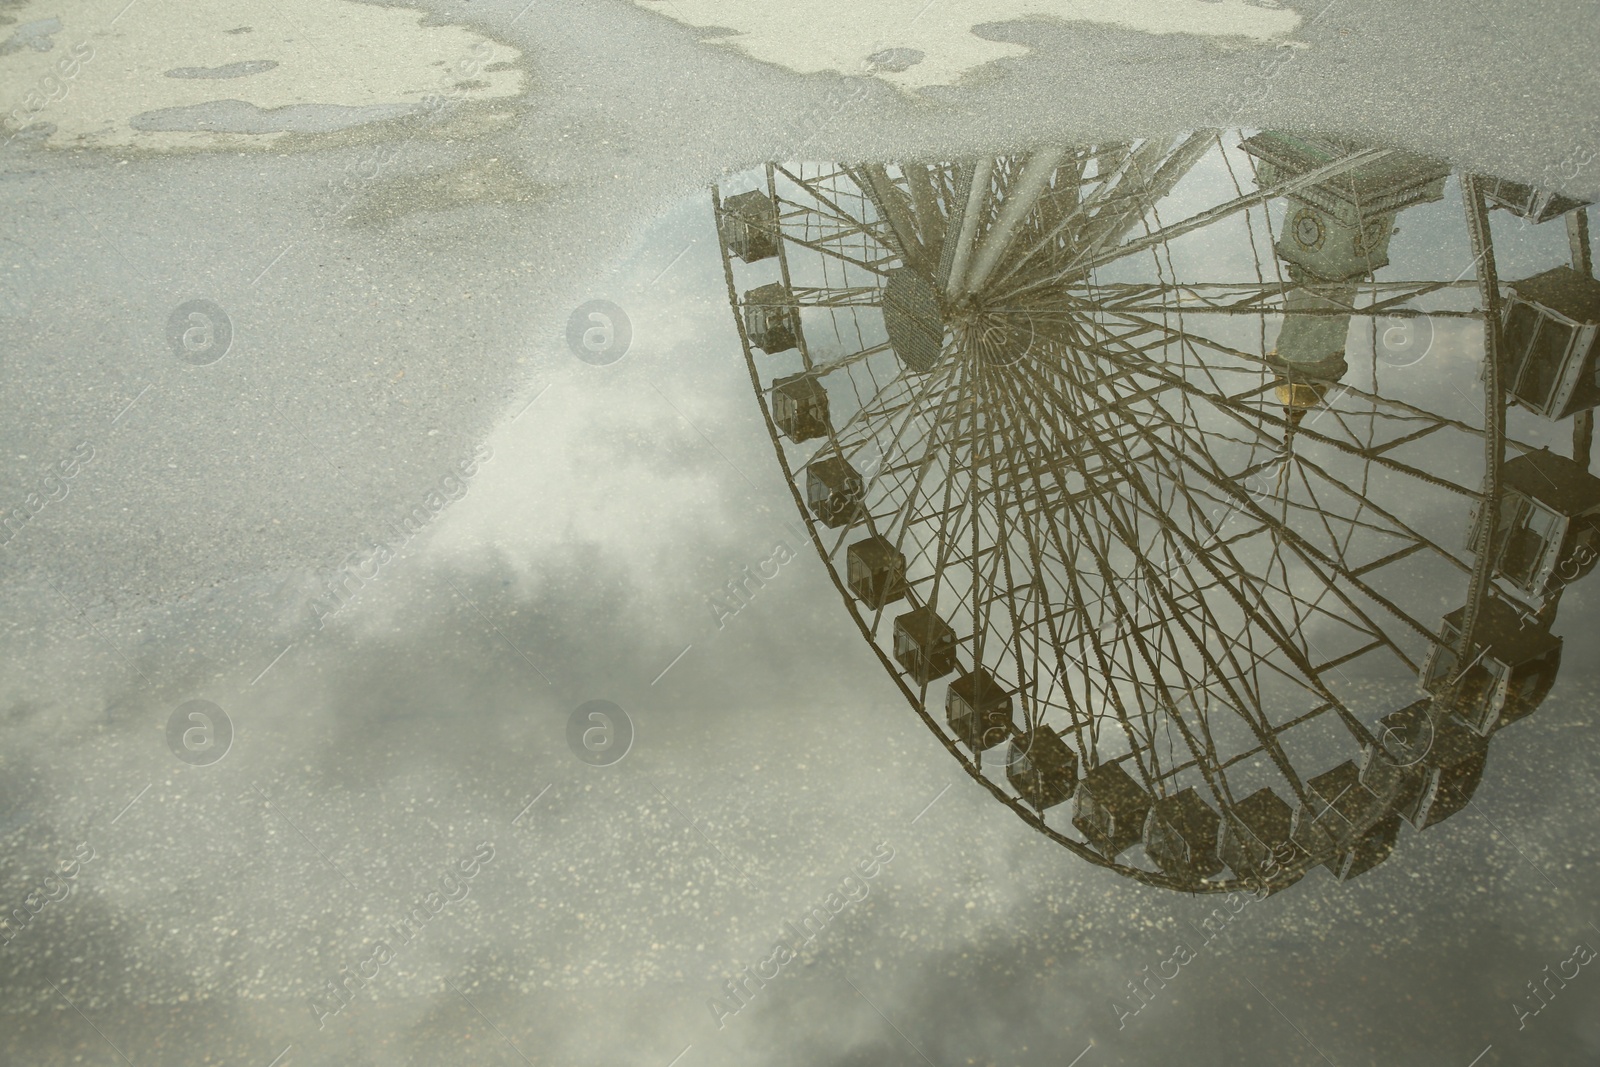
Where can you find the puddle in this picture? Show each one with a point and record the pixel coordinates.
(618, 576)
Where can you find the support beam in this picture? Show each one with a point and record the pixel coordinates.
(1206, 218)
(1493, 430)
(971, 212)
(888, 201)
(1019, 202)
(1578, 240)
(925, 201)
(1583, 263)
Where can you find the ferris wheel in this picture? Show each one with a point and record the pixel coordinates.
(1144, 480)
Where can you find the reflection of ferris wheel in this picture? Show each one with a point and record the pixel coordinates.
(1139, 491)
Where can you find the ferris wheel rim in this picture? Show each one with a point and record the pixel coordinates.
(1036, 821)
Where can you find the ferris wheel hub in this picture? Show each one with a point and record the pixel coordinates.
(926, 329)
(998, 337)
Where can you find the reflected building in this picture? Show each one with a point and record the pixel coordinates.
(1110, 459)
(1335, 236)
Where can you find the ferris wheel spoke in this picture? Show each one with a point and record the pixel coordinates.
(856, 246)
(1040, 594)
(1190, 361)
(1113, 165)
(879, 266)
(926, 184)
(1263, 730)
(1003, 538)
(1194, 553)
(864, 425)
(1150, 187)
(1308, 554)
(928, 189)
(1266, 298)
(831, 210)
(1160, 338)
(1321, 515)
(1414, 541)
(1166, 698)
(1256, 418)
(906, 478)
(974, 184)
(1357, 618)
(832, 188)
(1168, 233)
(894, 209)
(1079, 597)
(951, 414)
(1021, 200)
(1142, 741)
(809, 296)
(1078, 720)
(966, 408)
(1396, 528)
(1398, 409)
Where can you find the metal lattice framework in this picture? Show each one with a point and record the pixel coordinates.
(1075, 403)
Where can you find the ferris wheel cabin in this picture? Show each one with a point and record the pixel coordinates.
(1042, 768)
(749, 226)
(1548, 527)
(1180, 834)
(1254, 840)
(833, 491)
(1433, 770)
(800, 407)
(771, 318)
(876, 571)
(1337, 817)
(979, 711)
(924, 645)
(1528, 202)
(1110, 809)
(1512, 676)
(1549, 327)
